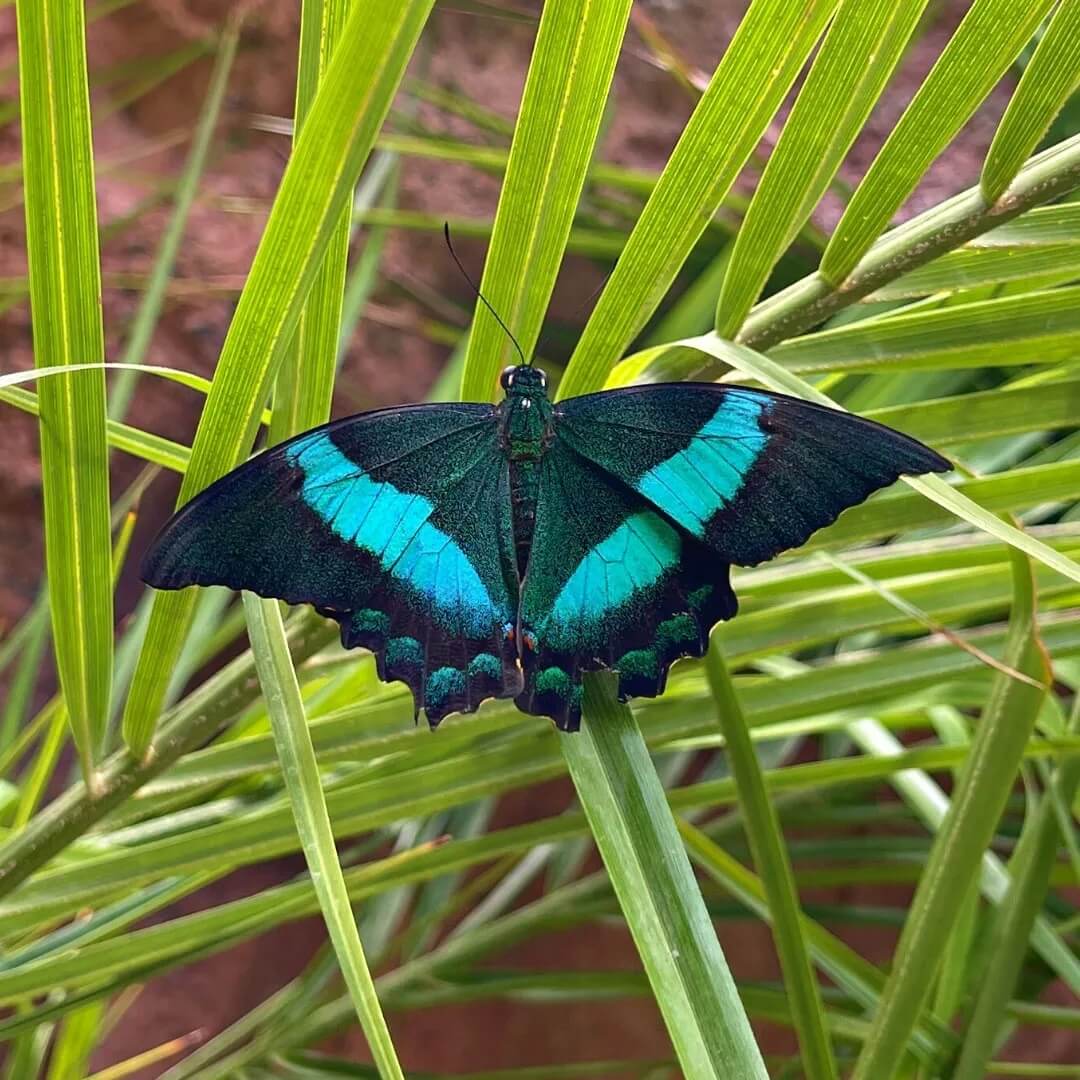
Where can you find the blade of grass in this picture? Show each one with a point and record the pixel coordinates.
(25, 677)
(577, 45)
(1044, 225)
(16, 638)
(148, 1058)
(1030, 868)
(861, 48)
(1038, 326)
(146, 317)
(48, 755)
(65, 291)
(140, 444)
(73, 1045)
(769, 48)
(300, 769)
(952, 983)
(651, 875)
(1051, 76)
(338, 134)
(380, 181)
(987, 41)
(39, 774)
(305, 381)
(771, 859)
(27, 1054)
(984, 783)
(971, 266)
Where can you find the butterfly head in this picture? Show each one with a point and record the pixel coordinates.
(523, 380)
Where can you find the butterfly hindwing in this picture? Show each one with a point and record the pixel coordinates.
(747, 472)
(395, 523)
(610, 583)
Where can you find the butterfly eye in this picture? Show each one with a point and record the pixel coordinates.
(507, 377)
(542, 375)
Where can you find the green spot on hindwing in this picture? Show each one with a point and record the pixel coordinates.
(553, 680)
(643, 662)
(674, 634)
(700, 597)
(370, 621)
(486, 665)
(404, 652)
(444, 683)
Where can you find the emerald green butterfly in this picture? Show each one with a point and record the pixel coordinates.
(502, 550)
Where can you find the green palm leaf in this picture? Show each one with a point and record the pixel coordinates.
(915, 636)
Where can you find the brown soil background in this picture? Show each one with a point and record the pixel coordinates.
(389, 362)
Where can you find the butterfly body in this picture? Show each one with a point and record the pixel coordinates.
(525, 426)
(502, 551)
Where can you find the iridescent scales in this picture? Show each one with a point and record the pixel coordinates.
(634, 557)
(485, 666)
(394, 527)
(443, 683)
(404, 653)
(692, 484)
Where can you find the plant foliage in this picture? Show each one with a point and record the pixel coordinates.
(926, 645)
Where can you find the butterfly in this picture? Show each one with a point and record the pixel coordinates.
(484, 551)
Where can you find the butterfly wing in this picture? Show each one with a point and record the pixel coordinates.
(610, 583)
(647, 497)
(395, 523)
(747, 472)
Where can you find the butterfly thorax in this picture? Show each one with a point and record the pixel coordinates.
(526, 432)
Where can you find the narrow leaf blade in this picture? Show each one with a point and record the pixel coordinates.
(1050, 78)
(636, 834)
(985, 44)
(300, 769)
(768, 49)
(576, 48)
(65, 287)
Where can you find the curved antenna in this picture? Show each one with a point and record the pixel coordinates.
(483, 299)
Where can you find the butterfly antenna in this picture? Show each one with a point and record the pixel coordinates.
(476, 289)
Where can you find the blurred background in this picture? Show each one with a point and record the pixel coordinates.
(407, 308)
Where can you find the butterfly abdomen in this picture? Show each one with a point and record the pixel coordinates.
(524, 489)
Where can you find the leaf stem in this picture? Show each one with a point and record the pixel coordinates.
(192, 724)
(813, 299)
(629, 818)
(300, 770)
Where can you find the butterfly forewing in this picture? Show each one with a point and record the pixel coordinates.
(747, 472)
(395, 523)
